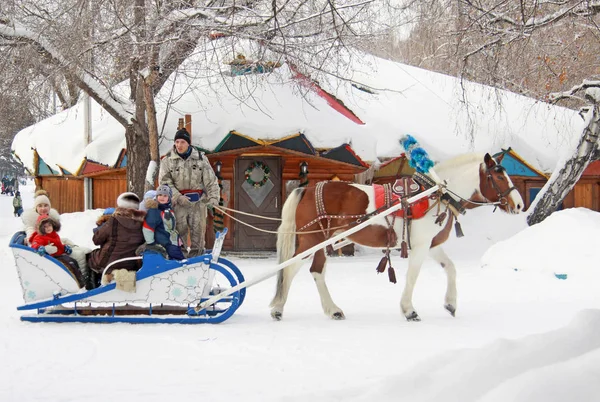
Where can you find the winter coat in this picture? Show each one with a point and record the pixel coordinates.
(30, 216)
(118, 237)
(17, 203)
(39, 238)
(193, 173)
(159, 225)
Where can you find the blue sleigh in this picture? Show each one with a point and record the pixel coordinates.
(165, 291)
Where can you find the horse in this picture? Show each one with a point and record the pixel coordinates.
(473, 179)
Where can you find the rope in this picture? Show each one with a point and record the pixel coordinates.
(274, 231)
(221, 208)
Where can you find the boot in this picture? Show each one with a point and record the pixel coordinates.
(89, 279)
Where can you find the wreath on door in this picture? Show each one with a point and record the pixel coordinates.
(265, 171)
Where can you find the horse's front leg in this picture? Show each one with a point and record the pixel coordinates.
(438, 254)
(317, 269)
(416, 257)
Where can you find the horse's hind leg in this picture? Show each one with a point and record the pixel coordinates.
(317, 270)
(284, 281)
(438, 254)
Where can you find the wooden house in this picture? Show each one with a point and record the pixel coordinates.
(256, 176)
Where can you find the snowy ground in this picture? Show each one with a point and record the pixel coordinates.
(520, 333)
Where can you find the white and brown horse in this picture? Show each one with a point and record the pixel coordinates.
(475, 179)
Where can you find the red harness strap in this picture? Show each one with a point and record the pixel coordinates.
(384, 193)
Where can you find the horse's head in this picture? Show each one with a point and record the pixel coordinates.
(496, 186)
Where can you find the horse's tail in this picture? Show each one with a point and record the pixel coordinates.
(286, 243)
(286, 236)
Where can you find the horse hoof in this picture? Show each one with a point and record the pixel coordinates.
(338, 316)
(276, 315)
(451, 309)
(413, 317)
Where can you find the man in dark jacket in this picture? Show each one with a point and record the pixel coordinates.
(118, 235)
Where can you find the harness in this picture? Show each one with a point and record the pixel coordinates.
(322, 213)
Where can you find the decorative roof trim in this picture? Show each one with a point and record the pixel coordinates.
(520, 159)
(332, 101)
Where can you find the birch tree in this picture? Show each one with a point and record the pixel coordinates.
(144, 41)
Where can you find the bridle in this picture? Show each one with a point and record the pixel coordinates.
(502, 195)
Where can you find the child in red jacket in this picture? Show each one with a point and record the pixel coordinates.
(46, 239)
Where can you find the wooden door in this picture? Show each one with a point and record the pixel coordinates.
(258, 192)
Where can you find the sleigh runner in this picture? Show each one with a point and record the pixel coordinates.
(164, 291)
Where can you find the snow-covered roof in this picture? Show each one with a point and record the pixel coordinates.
(438, 110)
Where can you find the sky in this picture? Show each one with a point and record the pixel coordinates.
(447, 116)
(520, 333)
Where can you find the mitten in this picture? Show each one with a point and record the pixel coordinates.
(183, 201)
(68, 250)
(209, 202)
(218, 222)
(174, 252)
(51, 249)
(41, 250)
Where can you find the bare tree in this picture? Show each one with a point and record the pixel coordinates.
(144, 41)
(533, 47)
(528, 25)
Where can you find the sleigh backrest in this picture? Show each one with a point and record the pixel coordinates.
(41, 277)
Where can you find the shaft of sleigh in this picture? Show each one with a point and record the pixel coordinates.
(312, 250)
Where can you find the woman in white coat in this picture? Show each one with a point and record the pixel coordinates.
(42, 206)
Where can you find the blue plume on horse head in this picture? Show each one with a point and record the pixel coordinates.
(408, 141)
(417, 156)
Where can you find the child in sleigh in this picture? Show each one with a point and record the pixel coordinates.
(159, 226)
(46, 239)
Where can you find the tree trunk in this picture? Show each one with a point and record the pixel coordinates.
(559, 185)
(137, 158)
(152, 125)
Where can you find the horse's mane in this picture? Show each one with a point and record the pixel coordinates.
(460, 161)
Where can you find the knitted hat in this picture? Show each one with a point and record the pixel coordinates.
(41, 197)
(163, 189)
(148, 198)
(150, 194)
(128, 200)
(183, 135)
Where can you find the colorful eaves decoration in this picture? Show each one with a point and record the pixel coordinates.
(335, 103)
(516, 166)
(92, 167)
(234, 141)
(297, 142)
(44, 169)
(344, 153)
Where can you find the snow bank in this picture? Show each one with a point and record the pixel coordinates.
(565, 243)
